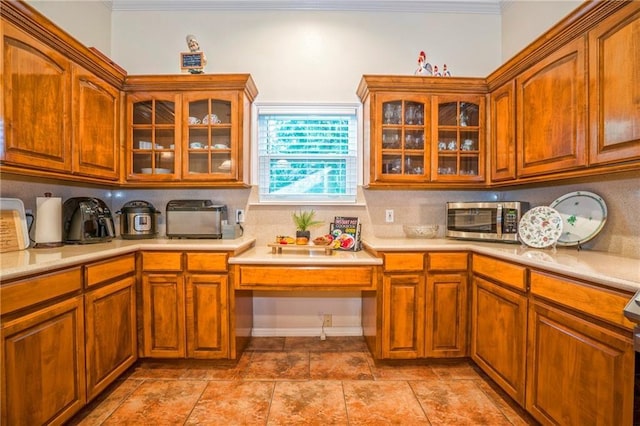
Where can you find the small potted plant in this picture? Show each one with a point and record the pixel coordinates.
(304, 220)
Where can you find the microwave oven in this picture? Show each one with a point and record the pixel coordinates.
(485, 220)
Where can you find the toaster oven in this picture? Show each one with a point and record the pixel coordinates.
(195, 219)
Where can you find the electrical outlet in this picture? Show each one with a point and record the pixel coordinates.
(239, 216)
(388, 216)
(327, 321)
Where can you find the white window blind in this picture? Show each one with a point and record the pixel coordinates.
(307, 153)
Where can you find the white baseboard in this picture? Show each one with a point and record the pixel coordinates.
(306, 332)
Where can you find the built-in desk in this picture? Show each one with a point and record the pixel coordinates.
(260, 268)
(301, 269)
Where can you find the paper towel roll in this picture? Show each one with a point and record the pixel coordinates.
(48, 220)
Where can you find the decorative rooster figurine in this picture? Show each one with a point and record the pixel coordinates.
(424, 67)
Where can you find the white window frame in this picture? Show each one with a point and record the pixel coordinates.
(310, 108)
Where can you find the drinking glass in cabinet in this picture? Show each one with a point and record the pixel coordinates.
(413, 114)
(391, 139)
(447, 166)
(392, 112)
(391, 164)
(414, 165)
(414, 139)
(469, 165)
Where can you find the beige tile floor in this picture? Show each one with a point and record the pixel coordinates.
(303, 381)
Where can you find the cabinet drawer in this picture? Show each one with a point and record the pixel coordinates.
(307, 277)
(503, 272)
(216, 262)
(99, 272)
(161, 261)
(448, 261)
(24, 293)
(403, 262)
(605, 304)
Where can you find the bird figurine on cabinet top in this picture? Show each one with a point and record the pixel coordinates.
(424, 67)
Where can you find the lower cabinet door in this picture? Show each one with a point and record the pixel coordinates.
(579, 373)
(110, 316)
(43, 370)
(446, 315)
(207, 304)
(163, 315)
(403, 316)
(499, 335)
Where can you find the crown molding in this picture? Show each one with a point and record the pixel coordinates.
(417, 6)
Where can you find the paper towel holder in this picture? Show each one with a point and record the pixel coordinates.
(42, 220)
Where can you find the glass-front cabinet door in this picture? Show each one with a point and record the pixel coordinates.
(153, 137)
(458, 138)
(402, 138)
(210, 140)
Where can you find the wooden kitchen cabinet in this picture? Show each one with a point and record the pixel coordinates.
(458, 138)
(502, 146)
(185, 305)
(189, 129)
(110, 318)
(61, 102)
(401, 151)
(614, 67)
(447, 306)
(406, 118)
(37, 101)
(579, 373)
(96, 126)
(551, 98)
(580, 353)
(403, 304)
(423, 305)
(43, 374)
(163, 305)
(499, 323)
(207, 305)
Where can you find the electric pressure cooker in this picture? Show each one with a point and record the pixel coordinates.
(138, 220)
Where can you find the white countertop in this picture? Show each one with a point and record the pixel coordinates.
(17, 263)
(602, 268)
(598, 267)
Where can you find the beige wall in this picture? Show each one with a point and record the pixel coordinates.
(87, 21)
(524, 21)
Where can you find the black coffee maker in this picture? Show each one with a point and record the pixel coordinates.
(86, 220)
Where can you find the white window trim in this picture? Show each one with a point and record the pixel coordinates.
(283, 108)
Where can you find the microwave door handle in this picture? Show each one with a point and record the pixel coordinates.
(499, 221)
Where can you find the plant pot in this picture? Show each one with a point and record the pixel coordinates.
(303, 237)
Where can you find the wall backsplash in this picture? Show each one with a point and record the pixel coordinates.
(621, 192)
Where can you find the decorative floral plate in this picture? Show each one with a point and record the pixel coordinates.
(540, 227)
(583, 215)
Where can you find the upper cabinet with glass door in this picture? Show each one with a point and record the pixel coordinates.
(422, 131)
(458, 138)
(209, 137)
(404, 136)
(189, 129)
(153, 137)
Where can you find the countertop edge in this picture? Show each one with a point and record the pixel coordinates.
(597, 267)
(621, 272)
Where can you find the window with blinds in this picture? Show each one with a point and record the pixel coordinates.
(307, 153)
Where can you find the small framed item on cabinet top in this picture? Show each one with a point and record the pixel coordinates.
(192, 61)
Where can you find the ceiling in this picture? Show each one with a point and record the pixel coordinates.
(442, 6)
